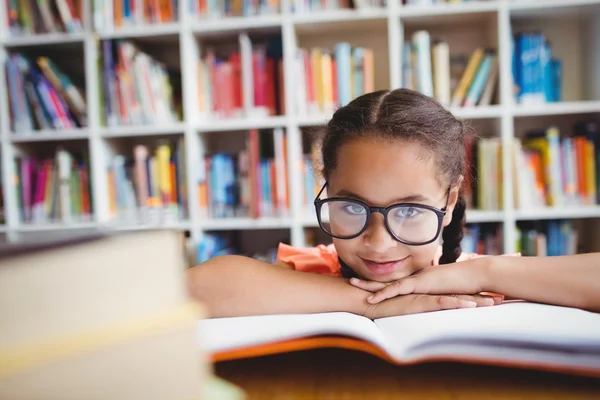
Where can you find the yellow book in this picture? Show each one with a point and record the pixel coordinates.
(541, 145)
(163, 156)
(468, 75)
(590, 171)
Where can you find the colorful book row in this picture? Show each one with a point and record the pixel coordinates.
(552, 238)
(150, 184)
(42, 96)
(245, 82)
(555, 171)
(251, 183)
(483, 239)
(116, 14)
(537, 74)
(26, 17)
(136, 89)
(430, 68)
(53, 189)
(328, 78)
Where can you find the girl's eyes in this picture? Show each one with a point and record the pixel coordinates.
(355, 209)
(407, 212)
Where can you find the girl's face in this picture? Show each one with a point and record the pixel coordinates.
(381, 173)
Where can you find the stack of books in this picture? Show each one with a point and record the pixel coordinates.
(99, 317)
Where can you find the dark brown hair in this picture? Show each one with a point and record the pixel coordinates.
(406, 115)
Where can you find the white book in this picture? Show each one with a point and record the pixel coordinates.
(515, 333)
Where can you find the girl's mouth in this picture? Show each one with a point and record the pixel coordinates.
(383, 267)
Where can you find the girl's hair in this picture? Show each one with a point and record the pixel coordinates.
(406, 115)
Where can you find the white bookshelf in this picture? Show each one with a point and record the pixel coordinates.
(572, 25)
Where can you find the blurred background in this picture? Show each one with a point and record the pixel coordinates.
(201, 115)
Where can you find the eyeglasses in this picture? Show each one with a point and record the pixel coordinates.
(409, 223)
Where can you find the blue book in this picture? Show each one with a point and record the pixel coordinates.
(556, 79)
(359, 73)
(343, 60)
(546, 56)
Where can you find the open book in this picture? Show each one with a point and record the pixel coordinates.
(518, 334)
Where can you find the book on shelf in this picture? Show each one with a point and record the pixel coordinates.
(548, 238)
(537, 73)
(149, 185)
(80, 313)
(483, 183)
(554, 171)
(53, 189)
(118, 14)
(327, 78)
(42, 96)
(513, 334)
(430, 67)
(214, 9)
(242, 81)
(44, 16)
(136, 89)
(250, 183)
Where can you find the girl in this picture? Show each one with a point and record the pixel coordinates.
(393, 162)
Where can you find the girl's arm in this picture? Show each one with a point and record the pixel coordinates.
(572, 281)
(238, 286)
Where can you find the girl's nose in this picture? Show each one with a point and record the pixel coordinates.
(376, 236)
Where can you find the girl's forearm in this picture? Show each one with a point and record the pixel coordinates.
(238, 286)
(572, 281)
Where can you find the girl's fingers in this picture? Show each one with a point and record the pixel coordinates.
(369, 286)
(482, 301)
(427, 303)
(401, 287)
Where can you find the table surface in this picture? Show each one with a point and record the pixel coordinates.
(342, 374)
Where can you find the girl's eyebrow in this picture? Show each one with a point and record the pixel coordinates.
(407, 199)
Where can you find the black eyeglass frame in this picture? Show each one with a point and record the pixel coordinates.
(441, 213)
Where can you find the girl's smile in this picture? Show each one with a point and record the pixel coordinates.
(382, 267)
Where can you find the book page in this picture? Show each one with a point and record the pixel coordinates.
(222, 334)
(521, 326)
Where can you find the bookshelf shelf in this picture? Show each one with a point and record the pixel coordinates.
(55, 226)
(43, 39)
(481, 216)
(226, 224)
(325, 17)
(562, 108)
(124, 226)
(550, 7)
(237, 124)
(142, 30)
(479, 112)
(572, 26)
(142, 130)
(232, 24)
(558, 213)
(415, 12)
(313, 120)
(49, 135)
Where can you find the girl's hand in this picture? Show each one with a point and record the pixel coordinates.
(419, 303)
(465, 277)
